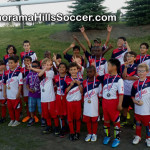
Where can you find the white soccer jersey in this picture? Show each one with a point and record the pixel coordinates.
(1, 86)
(47, 88)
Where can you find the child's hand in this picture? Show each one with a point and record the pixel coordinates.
(119, 107)
(75, 38)
(54, 57)
(72, 83)
(140, 102)
(72, 45)
(29, 66)
(126, 64)
(78, 82)
(93, 64)
(110, 46)
(31, 90)
(18, 96)
(82, 29)
(109, 28)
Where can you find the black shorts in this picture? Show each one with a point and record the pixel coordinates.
(127, 101)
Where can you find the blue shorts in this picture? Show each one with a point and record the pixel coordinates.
(32, 103)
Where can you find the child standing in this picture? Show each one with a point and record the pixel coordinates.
(12, 89)
(91, 104)
(113, 90)
(74, 94)
(141, 98)
(2, 99)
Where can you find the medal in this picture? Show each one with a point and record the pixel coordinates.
(89, 101)
(43, 90)
(141, 60)
(108, 89)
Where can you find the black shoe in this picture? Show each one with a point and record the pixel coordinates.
(31, 122)
(71, 137)
(43, 122)
(57, 132)
(47, 130)
(62, 132)
(77, 136)
(2, 120)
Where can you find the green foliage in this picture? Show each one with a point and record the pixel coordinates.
(88, 7)
(138, 12)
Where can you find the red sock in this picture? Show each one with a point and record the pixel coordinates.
(3, 111)
(56, 122)
(71, 127)
(78, 125)
(89, 127)
(95, 125)
(138, 129)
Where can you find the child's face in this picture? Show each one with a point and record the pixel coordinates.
(97, 43)
(142, 72)
(47, 55)
(98, 52)
(12, 64)
(111, 68)
(130, 58)
(27, 62)
(59, 60)
(120, 42)
(2, 67)
(90, 73)
(73, 71)
(79, 60)
(11, 51)
(143, 49)
(26, 47)
(62, 69)
(35, 65)
(76, 51)
(92, 51)
(49, 65)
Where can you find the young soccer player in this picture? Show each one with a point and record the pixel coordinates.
(12, 89)
(34, 95)
(27, 52)
(74, 92)
(61, 106)
(25, 72)
(141, 98)
(91, 104)
(113, 90)
(99, 62)
(11, 51)
(119, 52)
(129, 75)
(2, 99)
(144, 57)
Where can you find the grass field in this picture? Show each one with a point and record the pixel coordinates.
(21, 137)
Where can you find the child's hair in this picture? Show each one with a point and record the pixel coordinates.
(36, 62)
(64, 65)
(132, 53)
(14, 49)
(125, 56)
(91, 68)
(26, 41)
(47, 53)
(1, 62)
(123, 38)
(143, 65)
(76, 47)
(17, 57)
(98, 40)
(72, 64)
(115, 62)
(146, 44)
(28, 57)
(45, 60)
(58, 56)
(14, 58)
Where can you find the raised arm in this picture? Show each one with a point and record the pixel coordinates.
(106, 50)
(70, 47)
(109, 29)
(127, 46)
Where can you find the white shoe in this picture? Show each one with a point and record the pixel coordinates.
(94, 138)
(88, 138)
(148, 142)
(16, 123)
(11, 123)
(136, 140)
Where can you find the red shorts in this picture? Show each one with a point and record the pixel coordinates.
(61, 106)
(145, 120)
(110, 110)
(16, 103)
(73, 110)
(26, 99)
(48, 109)
(3, 101)
(89, 119)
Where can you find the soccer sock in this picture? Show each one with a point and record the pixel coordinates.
(89, 127)
(49, 122)
(78, 125)
(17, 114)
(95, 125)
(3, 111)
(117, 129)
(71, 127)
(148, 131)
(138, 129)
(107, 128)
(56, 122)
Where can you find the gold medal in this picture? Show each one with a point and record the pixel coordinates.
(89, 101)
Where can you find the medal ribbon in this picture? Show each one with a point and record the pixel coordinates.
(111, 83)
(141, 60)
(33, 82)
(2, 80)
(60, 84)
(9, 79)
(98, 65)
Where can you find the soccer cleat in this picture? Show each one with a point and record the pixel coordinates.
(77, 136)
(148, 142)
(123, 123)
(43, 122)
(115, 143)
(11, 123)
(16, 123)
(136, 139)
(57, 132)
(128, 115)
(94, 138)
(71, 137)
(25, 119)
(31, 122)
(2, 120)
(36, 119)
(47, 130)
(106, 140)
(62, 133)
(88, 138)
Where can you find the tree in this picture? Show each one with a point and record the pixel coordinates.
(138, 12)
(88, 7)
(118, 14)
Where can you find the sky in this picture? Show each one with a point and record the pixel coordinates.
(112, 5)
